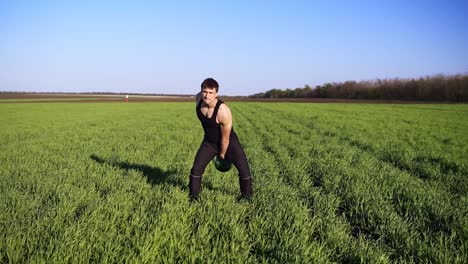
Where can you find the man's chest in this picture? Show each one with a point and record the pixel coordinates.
(207, 112)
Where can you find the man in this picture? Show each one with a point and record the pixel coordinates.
(220, 139)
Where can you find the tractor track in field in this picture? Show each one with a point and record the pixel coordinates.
(362, 146)
(443, 166)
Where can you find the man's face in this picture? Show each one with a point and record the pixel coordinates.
(209, 94)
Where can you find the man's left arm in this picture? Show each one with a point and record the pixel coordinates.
(225, 122)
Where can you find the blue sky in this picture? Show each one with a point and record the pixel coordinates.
(248, 46)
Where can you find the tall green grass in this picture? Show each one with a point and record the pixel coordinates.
(348, 183)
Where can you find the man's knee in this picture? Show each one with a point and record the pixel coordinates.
(197, 170)
(240, 161)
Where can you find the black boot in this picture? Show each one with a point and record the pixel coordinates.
(246, 188)
(194, 186)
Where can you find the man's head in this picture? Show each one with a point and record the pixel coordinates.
(210, 83)
(209, 90)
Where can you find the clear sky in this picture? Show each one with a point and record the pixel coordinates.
(248, 46)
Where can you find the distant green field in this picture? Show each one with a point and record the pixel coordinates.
(22, 100)
(345, 183)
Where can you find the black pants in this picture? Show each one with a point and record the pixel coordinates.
(234, 153)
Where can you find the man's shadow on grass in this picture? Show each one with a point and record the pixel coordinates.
(153, 175)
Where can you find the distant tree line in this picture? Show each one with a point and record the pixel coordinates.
(434, 88)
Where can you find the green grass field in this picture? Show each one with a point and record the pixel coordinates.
(346, 183)
(63, 99)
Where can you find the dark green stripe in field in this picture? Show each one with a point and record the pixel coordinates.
(345, 183)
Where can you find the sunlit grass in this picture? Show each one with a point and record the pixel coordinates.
(342, 183)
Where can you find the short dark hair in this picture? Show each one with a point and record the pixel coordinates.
(210, 83)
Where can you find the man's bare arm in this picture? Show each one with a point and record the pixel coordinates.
(225, 121)
(198, 97)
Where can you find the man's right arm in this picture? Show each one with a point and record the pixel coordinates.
(198, 97)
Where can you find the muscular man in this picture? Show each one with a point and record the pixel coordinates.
(220, 139)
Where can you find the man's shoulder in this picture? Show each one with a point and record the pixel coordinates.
(224, 109)
(223, 106)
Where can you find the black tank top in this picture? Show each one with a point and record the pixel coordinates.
(211, 128)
